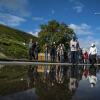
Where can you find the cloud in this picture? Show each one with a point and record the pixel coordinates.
(98, 28)
(78, 6)
(82, 29)
(97, 13)
(35, 33)
(15, 7)
(38, 18)
(52, 11)
(78, 9)
(8, 19)
(86, 35)
(71, 0)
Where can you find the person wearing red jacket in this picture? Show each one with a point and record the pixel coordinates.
(85, 57)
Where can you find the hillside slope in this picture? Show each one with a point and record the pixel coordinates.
(13, 43)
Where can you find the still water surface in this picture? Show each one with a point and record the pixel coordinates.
(49, 82)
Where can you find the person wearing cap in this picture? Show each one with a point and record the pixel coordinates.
(92, 54)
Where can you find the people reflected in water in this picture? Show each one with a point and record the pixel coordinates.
(32, 75)
(92, 75)
(56, 81)
(74, 78)
(85, 73)
(59, 74)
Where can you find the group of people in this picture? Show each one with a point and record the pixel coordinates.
(82, 55)
(58, 52)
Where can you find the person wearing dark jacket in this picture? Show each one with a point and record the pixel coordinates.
(32, 46)
(36, 50)
(53, 53)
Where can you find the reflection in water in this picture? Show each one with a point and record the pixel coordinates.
(32, 76)
(57, 82)
(92, 76)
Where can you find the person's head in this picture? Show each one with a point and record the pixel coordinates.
(60, 44)
(36, 43)
(93, 45)
(53, 43)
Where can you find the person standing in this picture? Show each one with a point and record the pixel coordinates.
(58, 53)
(93, 54)
(46, 51)
(53, 52)
(80, 55)
(61, 52)
(85, 56)
(36, 50)
(30, 49)
(74, 45)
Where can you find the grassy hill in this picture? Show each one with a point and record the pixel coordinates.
(12, 43)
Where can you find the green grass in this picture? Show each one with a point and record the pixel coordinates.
(11, 42)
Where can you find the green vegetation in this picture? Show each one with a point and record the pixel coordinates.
(54, 31)
(12, 42)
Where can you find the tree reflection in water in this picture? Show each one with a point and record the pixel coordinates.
(48, 82)
(56, 82)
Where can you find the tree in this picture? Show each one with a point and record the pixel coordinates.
(56, 32)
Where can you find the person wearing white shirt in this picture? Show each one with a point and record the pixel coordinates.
(74, 45)
(92, 53)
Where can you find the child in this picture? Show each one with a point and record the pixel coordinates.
(85, 56)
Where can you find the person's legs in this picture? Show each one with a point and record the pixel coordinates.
(36, 55)
(33, 54)
(51, 57)
(94, 59)
(72, 57)
(62, 58)
(90, 59)
(46, 56)
(30, 54)
(75, 57)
